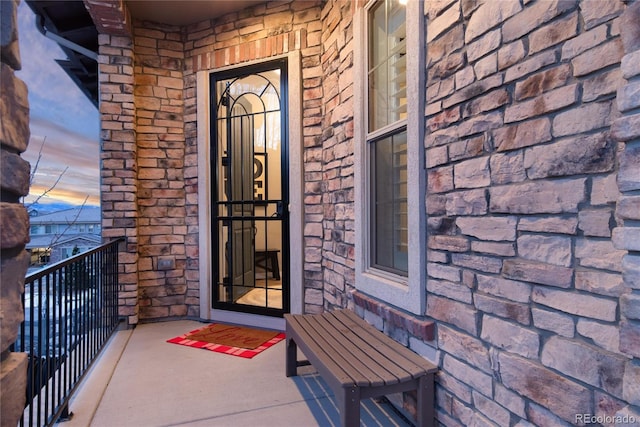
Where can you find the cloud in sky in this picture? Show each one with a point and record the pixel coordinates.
(63, 150)
(63, 115)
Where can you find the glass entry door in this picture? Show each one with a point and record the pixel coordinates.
(250, 202)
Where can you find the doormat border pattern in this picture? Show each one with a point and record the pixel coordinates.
(219, 348)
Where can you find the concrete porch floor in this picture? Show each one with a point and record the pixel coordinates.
(140, 380)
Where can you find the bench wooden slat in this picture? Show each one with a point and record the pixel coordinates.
(385, 349)
(410, 360)
(337, 348)
(351, 346)
(369, 351)
(314, 350)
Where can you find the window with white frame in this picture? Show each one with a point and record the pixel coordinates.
(386, 134)
(389, 131)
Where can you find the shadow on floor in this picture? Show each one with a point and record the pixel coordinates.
(321, 403)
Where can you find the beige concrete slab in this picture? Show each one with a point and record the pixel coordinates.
(90, 392)
(160, 384)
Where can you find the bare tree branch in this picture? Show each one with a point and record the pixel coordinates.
(48, 190)
(32, 178)
(58, 236)
(31, 206)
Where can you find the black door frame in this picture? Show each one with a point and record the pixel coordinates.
(217, 176)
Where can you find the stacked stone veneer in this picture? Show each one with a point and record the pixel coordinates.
(119, 181)
(336, 154)
(627, 236)
(14, 220)
(161, 192)
(149, 137)
(259, 33)
(531, 198)
(535, 319)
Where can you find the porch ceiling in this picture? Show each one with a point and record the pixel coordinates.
(70, 20)
(186, 11)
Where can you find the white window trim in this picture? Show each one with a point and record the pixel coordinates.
(409, 292)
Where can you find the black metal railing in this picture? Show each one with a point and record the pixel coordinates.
(71, 310)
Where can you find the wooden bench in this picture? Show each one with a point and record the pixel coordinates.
(357, 361)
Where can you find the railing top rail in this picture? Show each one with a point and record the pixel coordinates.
(58, 265)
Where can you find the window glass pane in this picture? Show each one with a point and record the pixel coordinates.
(389, 196)
(377, 34)
(378, 98)
(387, 64)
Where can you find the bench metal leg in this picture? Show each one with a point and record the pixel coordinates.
(291, 356)
(348, 400)
(426, 401)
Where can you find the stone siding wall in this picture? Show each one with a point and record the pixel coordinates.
(149, 137)
(336, 155)
(532, 192)
(143, 166)
(258, 33)
(118, 162)
(14, 220)
(524, 277)
(627, 236)
(160, 137)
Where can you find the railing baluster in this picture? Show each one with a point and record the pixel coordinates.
(61, 332)
(76, 346)
(38, 352)
(53, 294)
(19, 344)
(46, 357)
(65, 328)
(90, 309)
(31, 348)
(71, 310)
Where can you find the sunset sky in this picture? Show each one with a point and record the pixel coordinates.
(62, 117)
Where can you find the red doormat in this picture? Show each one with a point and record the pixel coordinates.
(230, 339)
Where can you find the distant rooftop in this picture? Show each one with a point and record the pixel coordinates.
(78, 215)
(50, 240)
